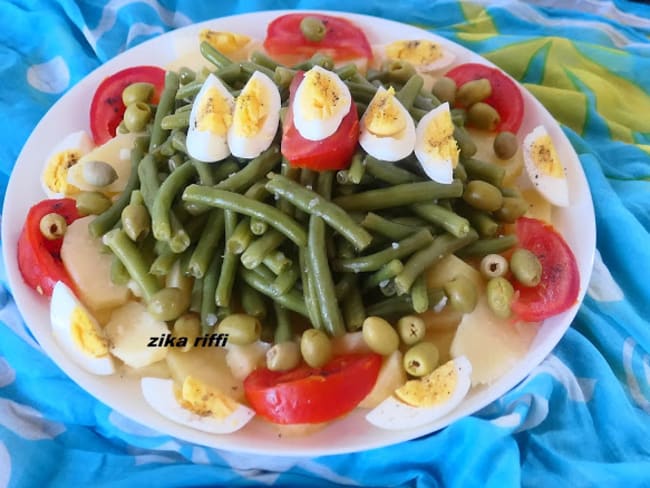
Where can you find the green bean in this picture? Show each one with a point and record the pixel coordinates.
(347, 71)
(482, 170)
(283, 329)
(291, 300)
(494, 245)
(313, 28)
(241, 237)
(232, 73)
(386, 272)
(204, 172)
(309, 290)
(131, 257)
(163, 263)
(445, 89)
(317, 59)
(388, 172)
(458, 116)
(260, 248)
(186, 75)
(209, 316)
(213, 55)
(361, 92)
(258, 57)
(258, 227)
(223, 293)
(314, 204)
(207, 245)
(397, 70)
(387, 288)
(252, 301)
(285, 280)
(249, 68)
(398, 195)
(526, 267)
(388, 228)
(226, 169)
(352, 307)
(322, 276)
(119, 274)
(137, 92)
(283, 76)
(481, 221)
(448, 220)
(391, 307)
(419, 296)
(483, 196)
(397, 250)
(165, 107)
(189, 90)
(277, 261)
(408, 93)
(173, 184)
(241, 204)
(466, 144)
(424, 258)
(255, 170)
(177, 120)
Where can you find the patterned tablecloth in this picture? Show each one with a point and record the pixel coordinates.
(580, 419)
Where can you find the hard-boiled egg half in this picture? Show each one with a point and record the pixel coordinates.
(255, 118)
(78, 333)
(421, 401)
(66, 154)
(321, 102)
(196, 405)
(425, 55)
(435, 146)
(387, 130)
(210, 119)
(544, 168)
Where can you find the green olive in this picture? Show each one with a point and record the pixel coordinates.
(398, 70)
(473, 91)
(483, 116)
(460, 173)
(187, 325)
(411, 329)
(186, 75)
(458, 116)
(168, 304)
(322, 60)
(444, 90)
(283, 356)
(98, 173)
(315, 347)
(526, 267)
(421, 359)
(241, 328)
(135, 221)
(313, 29)
(137, 116)
(92, 202)
(499, 293)
(483, 196)
(505, 145)
(461, 293)
(137, 92)
(493, 266)
(121, 129)
(511, 209)
(380, 336)
(53, 226)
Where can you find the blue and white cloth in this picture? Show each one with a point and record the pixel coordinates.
(581, 419)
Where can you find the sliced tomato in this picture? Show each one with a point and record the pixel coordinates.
(332, 153)
(107, 108)
(39, 259)
(560, 284)
(343, 40)
(506, 96)
(312, 395)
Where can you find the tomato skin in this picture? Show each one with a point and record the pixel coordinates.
(107, 108)
(332, 153)
(506, 96)
(343, 40)
(560, 284)
(39, 259)
(312, 395)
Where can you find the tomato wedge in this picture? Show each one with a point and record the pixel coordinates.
(560, 283)
(343, 40)
(312, 395)
(506, 96)
(106, 107)
(39, 259)
(332, 153)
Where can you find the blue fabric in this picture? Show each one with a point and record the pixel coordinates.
(581, 418)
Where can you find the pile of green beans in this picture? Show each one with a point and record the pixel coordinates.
(271, 240)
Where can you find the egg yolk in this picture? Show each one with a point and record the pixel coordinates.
(205, 400)
(383, 117)
(214, 114)
(321, 97)
(225, 42)
(434, 389)
(56, 173)
(415, 52)
(85, 334)
(545, 156)
(438, 138)
(251, 109)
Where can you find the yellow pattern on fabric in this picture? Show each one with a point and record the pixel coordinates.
(479, 26)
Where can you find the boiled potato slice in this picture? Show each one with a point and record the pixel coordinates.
(485, 152)
(242, 360)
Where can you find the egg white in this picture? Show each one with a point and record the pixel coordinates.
(62, 305)
(318, 129)
(436, 167)
(388, 148)
(205, 145)
(159, 394)
(78, 141)
(393, 414)
(554, 189)
(251, 146)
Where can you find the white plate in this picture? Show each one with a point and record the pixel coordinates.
(352, 433)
